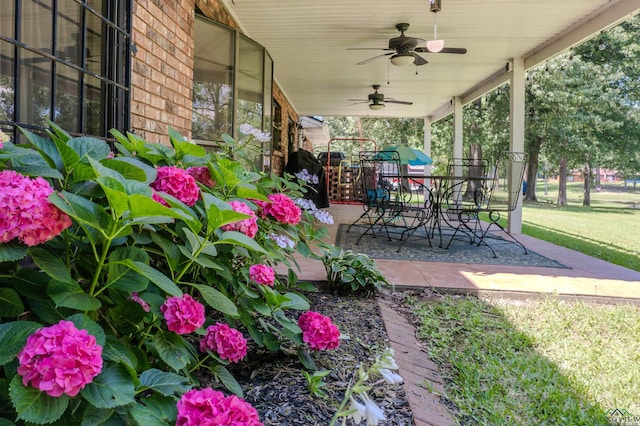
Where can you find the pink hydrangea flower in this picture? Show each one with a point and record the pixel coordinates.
(228, 342)
(60, 359)
(211, 407)
(262, 208)
(262, 274)
(178, 183)
(25, 211)
(248, 226)
(283, 209)
(136, 298)
(183, 314)
(318, 331)
(201, 174)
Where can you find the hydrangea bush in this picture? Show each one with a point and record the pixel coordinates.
(124, 272)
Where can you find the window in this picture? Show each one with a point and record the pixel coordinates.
(66, 61)
(232, 86)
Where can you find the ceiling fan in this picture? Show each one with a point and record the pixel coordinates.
(404, 50)
(376, 100)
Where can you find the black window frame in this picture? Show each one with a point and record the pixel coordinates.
(114, 77)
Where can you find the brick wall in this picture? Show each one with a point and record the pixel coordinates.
(162, 70)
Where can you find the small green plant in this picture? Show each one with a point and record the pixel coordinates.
(348, 271)
(315, 382)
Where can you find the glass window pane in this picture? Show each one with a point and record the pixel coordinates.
(7, 19)
(93, 118)
(212, 81)
(67, 100)
(7, 81)
(35, 89)
(94, 31)
(69, 32)
(36, 24)
(250, 84)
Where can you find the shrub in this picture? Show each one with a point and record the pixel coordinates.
(350, 272)
(122, 261)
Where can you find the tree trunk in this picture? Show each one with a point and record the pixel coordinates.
(562, 182)
(532, 170)
(475, 153)
(586, 201)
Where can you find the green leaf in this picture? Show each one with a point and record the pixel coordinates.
(164, 382)
(172, 349)
(69, 294)
(155, 276)
(51, 265)
(12, 251)
(228, 380)
(162, 407)
(131, 168)
(123, 278)
(306, 360)
(250, 193)
(36, 170)
(240, 239)
(93, 416)
(145, 417)
(295, 301)
(116, 351)
(80, 209)
(111, 388)
(13, 336)
(217, 300)
(35, 406)
(142, 206)
(87, 147)
(286, 322)
(46, 147)
(11, 303)
(83, 322)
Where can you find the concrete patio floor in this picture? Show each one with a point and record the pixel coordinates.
(588, 278)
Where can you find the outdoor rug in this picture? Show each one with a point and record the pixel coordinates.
(417, 248)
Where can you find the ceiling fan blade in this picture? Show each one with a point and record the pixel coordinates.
(366, 61)
(419, 60)
(457, 50)
(367, 48)
(358, 100)
(393, 101)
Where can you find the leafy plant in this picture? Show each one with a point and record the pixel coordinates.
(350, 272)
(315, 384)
(133, 246)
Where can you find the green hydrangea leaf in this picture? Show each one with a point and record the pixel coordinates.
(155, 276)
(228, 380)
(144, 416)
(69, 294)
(172, 349)
(11, 304)
(10, 252)
(164, 382)
(116, 351)
(13, 336)
(240, 239)
(162, 407)
(295, 301)
(35, 406)
(123, 278)
(111, 388)
(93, 416)
(217, 300)
(88, 147)
(131, 168)
(45, 147)
(51, 264)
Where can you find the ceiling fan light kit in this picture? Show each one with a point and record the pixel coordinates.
(435, 46)
(403, 59)
(376, 107)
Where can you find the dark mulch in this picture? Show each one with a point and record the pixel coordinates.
(276, 387)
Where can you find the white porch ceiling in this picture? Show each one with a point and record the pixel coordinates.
(308, 40)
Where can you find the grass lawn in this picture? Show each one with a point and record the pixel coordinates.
(609, 229)
(536, 362)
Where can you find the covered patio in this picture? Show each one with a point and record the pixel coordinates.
(326, 55)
